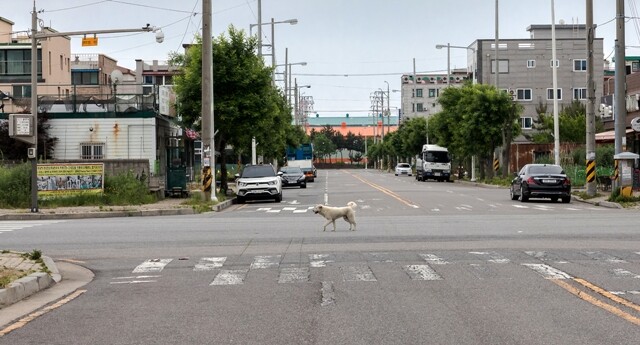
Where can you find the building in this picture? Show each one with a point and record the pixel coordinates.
(420, 99)
(96, 109)
(526, 73)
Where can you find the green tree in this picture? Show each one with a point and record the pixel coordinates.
(572, 124)
(473, 121)
(323, 146)
(15, 150)
(246, 102)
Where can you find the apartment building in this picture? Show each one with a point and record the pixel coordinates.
(525, 68)
(420, 99)
(54, 69)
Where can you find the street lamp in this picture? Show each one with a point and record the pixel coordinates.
(287, 75)
(35, 36)
(474, 81)
(272, 23)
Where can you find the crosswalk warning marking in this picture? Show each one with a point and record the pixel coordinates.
(230, 277)
(208, 264)
(358, 273)
(421, 272)
(152, 265)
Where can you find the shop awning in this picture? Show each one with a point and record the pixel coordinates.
(609, 135)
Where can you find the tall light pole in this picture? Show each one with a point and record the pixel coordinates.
(554, 73)
(388, 107)
(474, 80)
(295, 109)
(273, 37)
(35, 36)
(287, 75)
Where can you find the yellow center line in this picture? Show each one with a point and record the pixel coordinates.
(25, 320)
(385, 191)
(586, 297)
(608, 294)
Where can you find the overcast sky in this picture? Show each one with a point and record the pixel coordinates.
(370, 41)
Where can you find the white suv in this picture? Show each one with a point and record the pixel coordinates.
(258, 182)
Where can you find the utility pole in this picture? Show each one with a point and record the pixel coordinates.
(207, 92)
(260, 28)
(591, 105)
(554, 72)
(620, 90)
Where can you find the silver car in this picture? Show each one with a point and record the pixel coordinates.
(403, 169)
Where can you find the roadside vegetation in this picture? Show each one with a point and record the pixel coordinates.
(8, 275)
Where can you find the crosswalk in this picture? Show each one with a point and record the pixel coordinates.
(462, 208)
(362, 267)
(11, 226)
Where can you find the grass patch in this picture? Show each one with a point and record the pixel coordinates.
(197, 202)
(585, 196)
(8, 275)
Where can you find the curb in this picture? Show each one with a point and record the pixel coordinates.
(106, 214)
(29, 285)
(607, 204)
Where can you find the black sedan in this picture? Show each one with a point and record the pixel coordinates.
(293, 176)
(541, 181)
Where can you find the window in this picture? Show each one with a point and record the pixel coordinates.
(84, 77)
(16, 64)
(550, 94)
(531, 63)
(419, 107)
(579, 65)
(148, 79)
(526, 123)
(557, 63)
(418, 92)
(433, 93)
(580, 93)
(22, 91)
(524, 94)
(92, 151)
(504, 66)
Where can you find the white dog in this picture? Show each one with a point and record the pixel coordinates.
(348, 213)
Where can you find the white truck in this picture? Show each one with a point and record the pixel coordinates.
(434, 162)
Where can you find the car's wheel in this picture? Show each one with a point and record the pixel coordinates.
(514, 196)
(396, 174)
(304, 185)
(279, 197)
(566, 199)
(554, 199)
(523, 197)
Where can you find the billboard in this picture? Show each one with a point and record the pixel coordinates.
(70, 178)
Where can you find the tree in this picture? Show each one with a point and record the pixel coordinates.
(246, 102)
(571, 121)
(473, 121)
(323, 146)
(12, 149)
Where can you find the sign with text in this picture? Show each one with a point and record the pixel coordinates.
(70, 179)
(89, 41)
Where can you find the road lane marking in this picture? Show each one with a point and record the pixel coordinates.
(600, 256)
(385, 191)
(266, 261)
(230, 277)
(622, 273)
(421, 272)
(293, 275)
(208, 264)
(152, 265)
(548, 272)
(596, 302)
(493, 257)
(320, 260)
(433, 259)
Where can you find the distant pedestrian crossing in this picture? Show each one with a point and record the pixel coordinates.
(7, 226)
(364, 267)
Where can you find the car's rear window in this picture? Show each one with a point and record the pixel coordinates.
(545, 169)
(258, 171)
(291, 170)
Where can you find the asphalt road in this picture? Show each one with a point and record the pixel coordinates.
(430, 263)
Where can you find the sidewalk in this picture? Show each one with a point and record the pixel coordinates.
(40, 276)
(165, 207)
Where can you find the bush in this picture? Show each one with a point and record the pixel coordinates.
(15, 184)
(126, 189)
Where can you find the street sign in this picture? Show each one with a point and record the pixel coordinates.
(89, 41)
(21, 127)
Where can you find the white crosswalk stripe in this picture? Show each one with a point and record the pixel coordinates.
(10, 226)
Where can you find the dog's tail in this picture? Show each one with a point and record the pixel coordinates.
(352, 205)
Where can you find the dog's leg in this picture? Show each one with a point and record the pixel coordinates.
(325, 225)
(334, 225)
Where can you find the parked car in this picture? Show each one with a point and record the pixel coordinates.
(403, 169)
(541, 181)
(293, 176)
(258, 182)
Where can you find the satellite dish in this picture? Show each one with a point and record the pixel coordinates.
(116, 76)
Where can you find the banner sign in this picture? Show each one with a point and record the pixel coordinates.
(68, 179)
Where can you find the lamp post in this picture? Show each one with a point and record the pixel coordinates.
(287, 75)
(35, 36)
(474, 81)
(295, 109)
(273, 39)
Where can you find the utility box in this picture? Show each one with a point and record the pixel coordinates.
(626, 167)
(22, 127)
